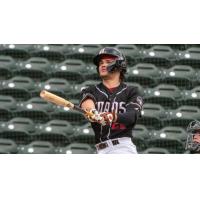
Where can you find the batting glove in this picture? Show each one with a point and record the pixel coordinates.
(93, 116)
(108, 118)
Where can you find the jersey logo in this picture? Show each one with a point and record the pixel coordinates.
(118, 107)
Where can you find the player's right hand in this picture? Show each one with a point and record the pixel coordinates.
(93, 115)
(108, 118)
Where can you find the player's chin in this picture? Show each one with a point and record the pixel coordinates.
(104, 76)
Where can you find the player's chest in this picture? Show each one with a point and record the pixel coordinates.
(111, 103)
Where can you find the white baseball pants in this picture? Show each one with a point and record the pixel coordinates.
(125, 146)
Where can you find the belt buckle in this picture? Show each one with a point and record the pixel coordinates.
(102, 146)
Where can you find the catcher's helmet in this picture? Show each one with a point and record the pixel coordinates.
(193, 138)
(118, 64)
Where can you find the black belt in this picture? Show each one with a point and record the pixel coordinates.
(104, 145)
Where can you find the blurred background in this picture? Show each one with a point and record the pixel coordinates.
(167, 76)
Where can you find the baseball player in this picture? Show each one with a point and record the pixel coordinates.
(114, 105)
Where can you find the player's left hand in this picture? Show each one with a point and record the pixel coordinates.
(93, 115)
(107, 118)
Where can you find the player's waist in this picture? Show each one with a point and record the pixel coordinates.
(113, 142)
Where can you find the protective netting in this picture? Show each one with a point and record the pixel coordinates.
(166, 75)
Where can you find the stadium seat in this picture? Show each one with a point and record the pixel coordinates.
(27, 47)
(19, 82)
(71, 69)
(64, 113)
(190, 57)
(91, 72)
(144, 46)
(7, 106)
(191, 97)
(76, 148)
(5, 114)
(140, 136)
(52, 52)
(37, 147)
(36, 109)
(140, 131)
(18, 87)
(138, 86)
(170, 132)
(90, 83)
(191, 45)
(85, 52)
(176, 47)
(15, 51)
(156, 150)
(145, 74)
(179, 75)
(76, 91)
(57, 139)
(182, 116)
(58, 86)
(20, 137)
(8, 102)
(37, 103)
(167, 139)
(159, 55)
(163, 94)
(17, 93)
(19, 124)
(58, 132)
(56, 126)
(84, 134)
(152, 116)
(8, 146)
(7, 67)
(131, 52)
(64, 48)
(38, 69)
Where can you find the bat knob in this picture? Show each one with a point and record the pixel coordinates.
(42, 93)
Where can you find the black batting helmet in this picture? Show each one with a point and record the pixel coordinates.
(118, 64)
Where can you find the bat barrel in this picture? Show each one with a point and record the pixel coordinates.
(50, 97)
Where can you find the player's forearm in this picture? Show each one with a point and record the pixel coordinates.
(127, 118)
(88, 104)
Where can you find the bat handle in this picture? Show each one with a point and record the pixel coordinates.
(79, 109)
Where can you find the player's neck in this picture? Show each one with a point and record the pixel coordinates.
(111, 83)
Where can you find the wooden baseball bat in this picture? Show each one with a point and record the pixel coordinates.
(50, 97)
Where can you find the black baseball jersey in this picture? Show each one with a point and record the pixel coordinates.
(124, 100)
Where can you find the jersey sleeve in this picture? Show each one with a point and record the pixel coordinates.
(133, 108)
(135, 101)
(87, 93)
